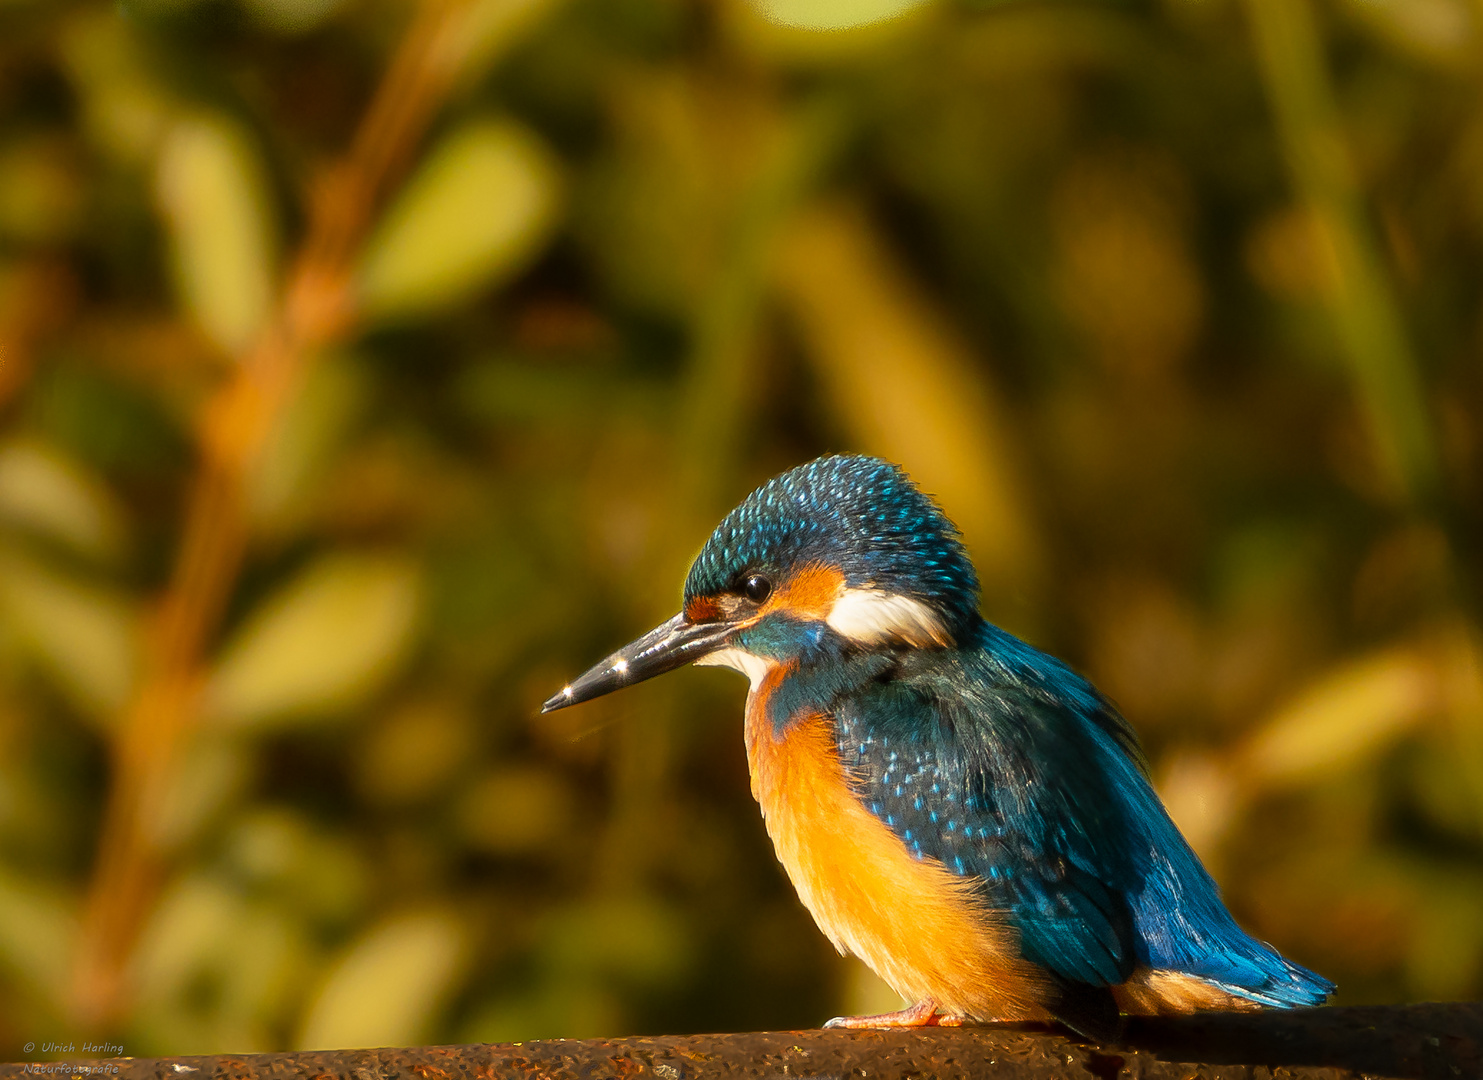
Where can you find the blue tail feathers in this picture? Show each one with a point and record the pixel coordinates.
(1182, 925)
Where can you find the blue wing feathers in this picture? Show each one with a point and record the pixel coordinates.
(1008, 767)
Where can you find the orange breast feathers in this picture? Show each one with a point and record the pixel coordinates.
(917, 925)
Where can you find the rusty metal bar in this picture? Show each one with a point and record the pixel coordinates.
(1412, 1042)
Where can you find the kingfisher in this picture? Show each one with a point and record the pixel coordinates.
(963, 812)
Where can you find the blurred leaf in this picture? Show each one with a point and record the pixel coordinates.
(568, 1009)
(1148, 650)
(109, 423)
(489, 580)
(213, 194)
(1201, 796)
(503, 392)
(41, 193)
(480, 206)
(124, 112)
(216, 968)
(833, 15)
(636, 940)
(1436, 782)
(517, 811)
(906, 387)
(42, 490)
(388, 986)
(1446, 954)
(320, 644)
(413, 753)
(656, 213)
(292, 16)
(301, 447)
(149, 10)
(1442, 32)
(488, 28)
(1126, 276)
(213, 773)
(268, 960)
(178, 963)
(1464, 730)
(1266, 563)
(1344, 718)
(1367, 318)
(37, 928)
(192, 921)
(313, 870)
(83, 636)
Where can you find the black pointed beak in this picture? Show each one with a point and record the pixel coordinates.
(664, 648)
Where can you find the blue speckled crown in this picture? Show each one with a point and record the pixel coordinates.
(860, 514)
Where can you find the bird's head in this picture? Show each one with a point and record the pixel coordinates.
(842, 554)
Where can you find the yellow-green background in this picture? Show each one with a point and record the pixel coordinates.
(1174, 303)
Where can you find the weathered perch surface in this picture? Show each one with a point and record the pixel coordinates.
(1416, 1042)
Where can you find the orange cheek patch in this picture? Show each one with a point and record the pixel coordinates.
(702, 609)
(810, 593)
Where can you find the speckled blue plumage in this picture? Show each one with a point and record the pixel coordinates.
(1007, 767)
(989, 756)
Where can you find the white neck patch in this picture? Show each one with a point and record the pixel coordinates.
(874, 617)
(754, 667)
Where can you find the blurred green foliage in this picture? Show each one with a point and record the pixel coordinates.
(1175, 304)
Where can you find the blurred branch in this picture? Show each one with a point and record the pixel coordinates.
(317, 307)
(1365, 315)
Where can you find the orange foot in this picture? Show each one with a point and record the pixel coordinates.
(923, 1014)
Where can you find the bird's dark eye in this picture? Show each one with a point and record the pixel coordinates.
(756, 588)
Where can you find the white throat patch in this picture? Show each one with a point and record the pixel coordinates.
(752, 666)
(873, 617)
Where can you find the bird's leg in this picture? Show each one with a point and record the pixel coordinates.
(923, 1014)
